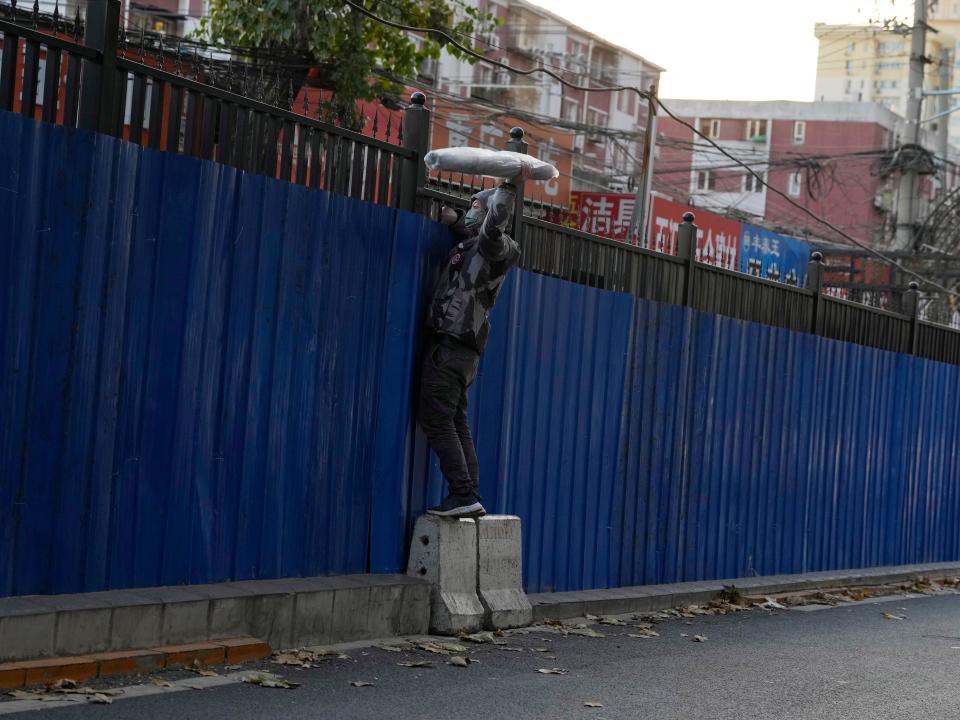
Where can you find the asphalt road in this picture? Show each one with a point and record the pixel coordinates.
(843, 662)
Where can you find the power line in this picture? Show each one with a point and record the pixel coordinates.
(648, 96)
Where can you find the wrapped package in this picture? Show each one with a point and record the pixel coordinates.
(495, 163)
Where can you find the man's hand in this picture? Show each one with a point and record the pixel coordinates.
(448, 216)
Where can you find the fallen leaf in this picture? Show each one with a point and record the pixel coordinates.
(552, 671)
(593, 704)
(644, 633)
(586, 632)
(684, 635)
(270, 682)
(231, 667)
(432, 647)
(28, 695)
(416, 664)
(480, 637)
(592, 617)
(553, 623)
(891, 616)
(361, 683)
(699, 638)
(458, 661)
(540, 649)
(162, 683)
(607, 620)
(453, 647)
(100, 699)
(64, 684)
(771, 604)
(389, 648)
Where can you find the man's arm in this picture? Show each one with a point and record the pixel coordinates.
(499, 209)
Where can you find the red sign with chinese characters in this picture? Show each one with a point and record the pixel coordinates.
(718, 238)
(601, 213)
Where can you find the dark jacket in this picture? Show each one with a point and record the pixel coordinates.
(474, 272)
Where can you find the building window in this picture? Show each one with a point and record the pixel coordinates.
(852, 47)
(849, 65)
(752, 183)
(794, 184)
(571, 110)
(756, 129)
(710, 128)
(706, 180)
(799, 132)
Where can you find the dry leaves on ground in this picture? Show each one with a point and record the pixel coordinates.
(645, 632)
(268, 681)
(592, 704)
(306, 657)
(699, 638)
(585, 632)
(458, 661)
(389, 648)
(416, 664)
(891, 616)
(552, 671)
(360, 683)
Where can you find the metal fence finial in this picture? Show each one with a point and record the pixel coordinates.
(36, 14)
(56, 16)
(76, 25)
(376, 122)
(143, 40)
(178, 65)
(196, 64)
(160, 53)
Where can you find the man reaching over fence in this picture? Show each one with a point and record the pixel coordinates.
(457, 330)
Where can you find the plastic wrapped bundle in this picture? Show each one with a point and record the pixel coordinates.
(495, 163)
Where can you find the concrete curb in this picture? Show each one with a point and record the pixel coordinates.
(643, 598)
(282, 613)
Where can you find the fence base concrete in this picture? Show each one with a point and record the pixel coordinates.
(283, 613)
(444, 552)
(499, 576)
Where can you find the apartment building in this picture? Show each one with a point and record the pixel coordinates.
(607, 127)
(831, 157)
(871, 64)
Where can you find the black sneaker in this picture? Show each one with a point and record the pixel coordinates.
(459, 506)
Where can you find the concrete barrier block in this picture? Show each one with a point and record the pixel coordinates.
(136, 626)
(83, 631)
(499, 576)
(313, 618)
(444, 552)
(27, 636)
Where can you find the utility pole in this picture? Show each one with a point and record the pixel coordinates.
(943, 124)
(639, 220)
(907, 201)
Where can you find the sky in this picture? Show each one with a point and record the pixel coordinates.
(725, 49)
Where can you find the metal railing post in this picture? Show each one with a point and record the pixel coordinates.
(98, 99)
(687, 251)
(815, 286)
(911, 308)
(416, 137)
(517, 144)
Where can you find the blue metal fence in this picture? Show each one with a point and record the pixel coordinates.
(207, 375)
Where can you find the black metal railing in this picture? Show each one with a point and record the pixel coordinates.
(165, 101)
(168, 102)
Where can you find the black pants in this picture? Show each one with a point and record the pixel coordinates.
(449, 368)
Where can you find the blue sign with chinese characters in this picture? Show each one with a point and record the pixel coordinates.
(772, 256)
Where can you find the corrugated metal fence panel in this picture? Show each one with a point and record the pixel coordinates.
(190, 368)
(757, 450)
(209, 376)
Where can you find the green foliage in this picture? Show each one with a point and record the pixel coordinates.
(352, 46)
